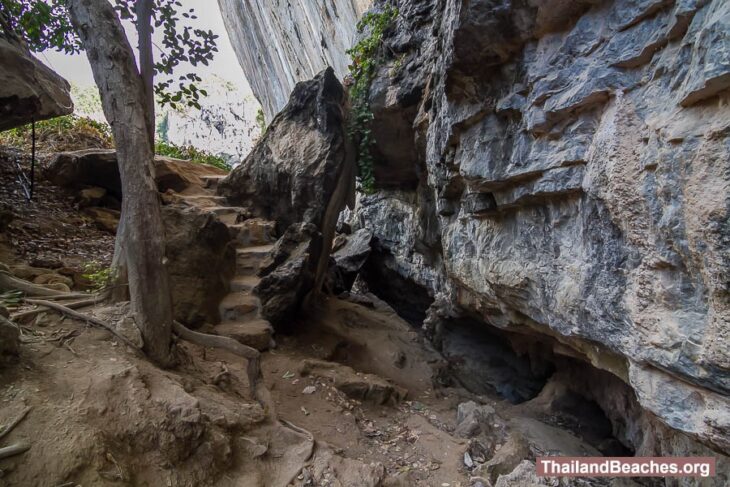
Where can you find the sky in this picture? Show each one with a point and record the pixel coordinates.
(77, 71)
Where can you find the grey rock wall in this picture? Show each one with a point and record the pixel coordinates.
(571, 164)
(279, 43)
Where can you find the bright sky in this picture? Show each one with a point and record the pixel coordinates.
(76, 69)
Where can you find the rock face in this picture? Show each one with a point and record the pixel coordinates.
(570, 179)
(300, 176)
(200, 262)
(225, 124)
(281, 43)
(28, 89)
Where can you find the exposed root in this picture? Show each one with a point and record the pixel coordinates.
(13, 450)
(12, 283)
(229, 344)
(79, 316)
(41, 309)
(303, 431)
(7, 429)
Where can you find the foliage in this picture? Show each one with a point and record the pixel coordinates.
(190, 153)
(59, 134)
(100, 276)
(261, 120)
(10, 299)
(87, 101)
(366, 56)
(45, 24)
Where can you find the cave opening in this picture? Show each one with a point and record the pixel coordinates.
(564, 391)
(529, 370)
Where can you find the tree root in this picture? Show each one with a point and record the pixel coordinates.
(13, 450)
(41, 309)
(79, 316)
(12, 283)
(229, 344)
(7, 429)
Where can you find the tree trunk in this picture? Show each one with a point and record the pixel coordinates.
(141, 240)
(146, 61)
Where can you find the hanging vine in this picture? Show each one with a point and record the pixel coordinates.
(366, 56)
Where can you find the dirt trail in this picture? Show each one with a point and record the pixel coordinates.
(355, 396)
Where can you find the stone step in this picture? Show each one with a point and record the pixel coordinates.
(230, 215)
(255, 333)
(254, 231)
(213, 180)
(244, 284)
(204, 200)
(239, 306)
(248, 259)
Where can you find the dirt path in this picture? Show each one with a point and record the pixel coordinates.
(355, 395)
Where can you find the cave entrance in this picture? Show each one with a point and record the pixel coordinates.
(565, 392)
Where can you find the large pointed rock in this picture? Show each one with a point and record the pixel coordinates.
(291, 174)
(299, 175)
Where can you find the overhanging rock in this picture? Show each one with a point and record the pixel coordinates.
(28, 89)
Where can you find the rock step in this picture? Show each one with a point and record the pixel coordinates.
(204, 200)
(248, 259)
(259, 251)
(244, 284)
(239, 306)
(254, 333)
(230, 215)
(212, 180)
(253, 231)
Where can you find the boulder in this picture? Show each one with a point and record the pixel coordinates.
(292, 173)
(97, 168)
(473, 419)
(28, 89)
(9, 340)
(104, 218)
(53, 278)
(363, 387)
(287, 274)
(349, 257)
(200, 263)
(299, 175)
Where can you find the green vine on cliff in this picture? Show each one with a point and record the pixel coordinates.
(366, 56)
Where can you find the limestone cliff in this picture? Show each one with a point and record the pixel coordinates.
(568, 177)
(560, 171)
(280, 43)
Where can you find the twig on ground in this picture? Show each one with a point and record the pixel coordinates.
(7, 429)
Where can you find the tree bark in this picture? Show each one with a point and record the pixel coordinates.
(142, 241)
(146, 61)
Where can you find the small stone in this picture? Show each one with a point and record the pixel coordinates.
(309, 390)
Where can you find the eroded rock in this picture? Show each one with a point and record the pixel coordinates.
(200, 262)
(357, 385)
(300, 176)
(97, 168)
(574, 164)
